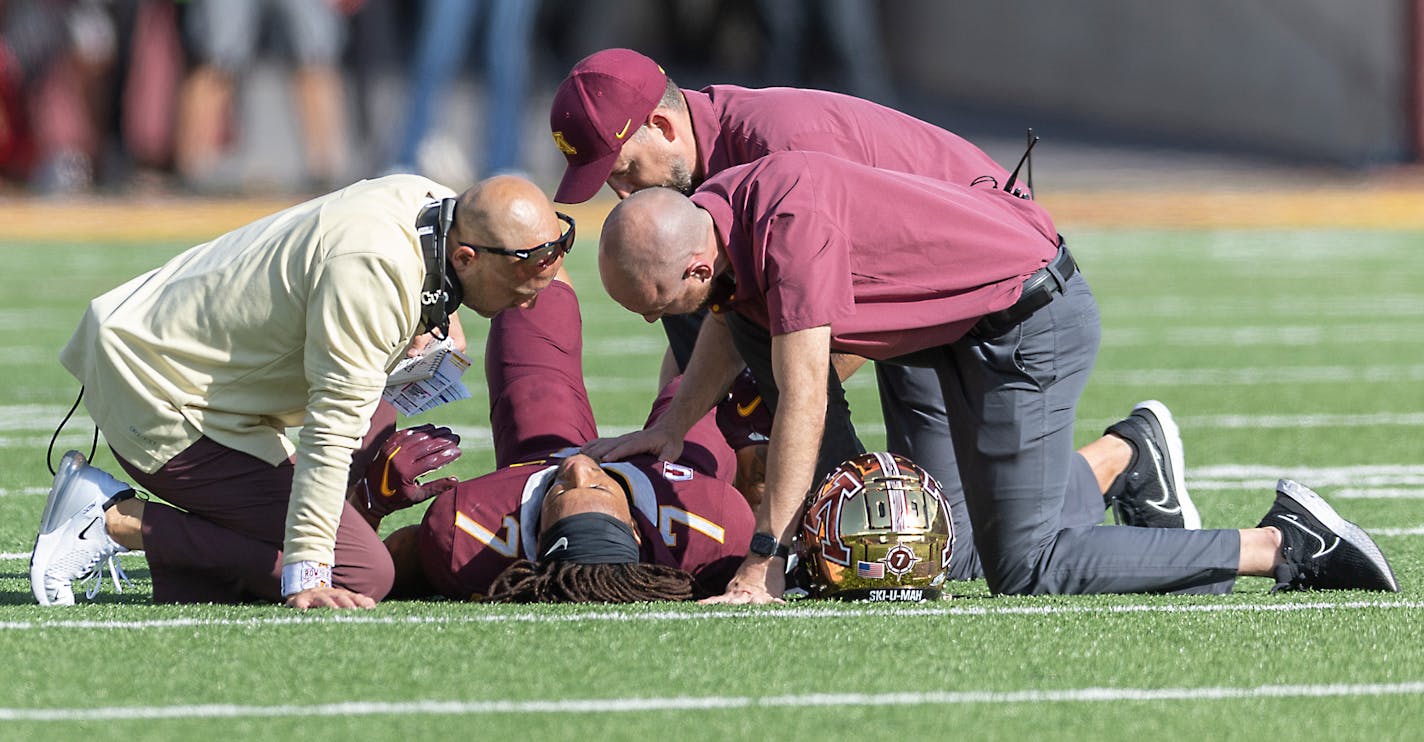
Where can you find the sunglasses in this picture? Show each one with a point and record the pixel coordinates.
(544, 254)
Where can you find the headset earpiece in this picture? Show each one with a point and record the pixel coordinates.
(440, 294)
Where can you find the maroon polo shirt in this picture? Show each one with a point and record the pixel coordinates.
(893, 262)
(735, 126)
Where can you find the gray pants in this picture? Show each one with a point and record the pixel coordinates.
(922, 436)
(917, 427)
(1012, 401)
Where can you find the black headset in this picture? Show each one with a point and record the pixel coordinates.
(440, 295)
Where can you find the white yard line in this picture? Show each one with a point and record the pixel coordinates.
(1380, 493)
(22, 423)
(1415, 531)
(10, 556)
(477, 438)
(1259, 336)
(1308, 420)
(709, 703)
(819, 611)
(1380, 480)
(7, 492)
(1255, 376)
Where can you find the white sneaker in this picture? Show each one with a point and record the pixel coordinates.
(73, 541)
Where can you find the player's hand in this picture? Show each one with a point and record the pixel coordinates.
(654, 440)
(759, 580)
(328, 597)
(390, 482)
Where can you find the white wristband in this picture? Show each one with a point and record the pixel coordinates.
(299, 576)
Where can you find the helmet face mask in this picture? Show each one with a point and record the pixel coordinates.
(878, 528)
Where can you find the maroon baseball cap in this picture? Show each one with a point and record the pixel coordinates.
(605, 98)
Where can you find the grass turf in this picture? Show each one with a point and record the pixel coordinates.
(1282, 353)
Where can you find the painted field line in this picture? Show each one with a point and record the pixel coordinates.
(871, 427)
(38, 441)
(1258, 375)
(818, 612)
(1415, 531)
(8, 491)
(1357, 482)
(709, 703)
(1228, 311)
(478, 437)
(37, 416)
(26, 355)
(1380, 493)
(1303, 420)
(1382, 472)
(1116, 335)
(15, 556)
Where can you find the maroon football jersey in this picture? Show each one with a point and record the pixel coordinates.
(686, 519)
(689, 515)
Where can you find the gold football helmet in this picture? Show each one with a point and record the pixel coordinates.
(878, 529)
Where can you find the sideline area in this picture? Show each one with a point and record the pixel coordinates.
(1356, 205)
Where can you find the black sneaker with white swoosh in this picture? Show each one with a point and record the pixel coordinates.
(1152, 491)
(1322, 550)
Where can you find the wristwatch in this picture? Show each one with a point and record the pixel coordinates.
(766, 545)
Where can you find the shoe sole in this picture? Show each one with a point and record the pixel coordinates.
(68, 471)
(1351, 533)
(1176, 459)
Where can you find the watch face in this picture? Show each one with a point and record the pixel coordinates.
(763, 544)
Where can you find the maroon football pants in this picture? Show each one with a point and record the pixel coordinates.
(225, 543)
(538, 401)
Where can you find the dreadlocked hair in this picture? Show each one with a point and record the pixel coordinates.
(569, 582)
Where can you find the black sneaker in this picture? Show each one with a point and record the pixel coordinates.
(1322, 550)
(1152, 491)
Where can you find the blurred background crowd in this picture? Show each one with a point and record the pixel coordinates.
(239, 96)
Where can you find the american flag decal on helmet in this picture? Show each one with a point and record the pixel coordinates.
(870, 570)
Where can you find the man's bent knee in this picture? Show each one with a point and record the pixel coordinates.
(373, 576)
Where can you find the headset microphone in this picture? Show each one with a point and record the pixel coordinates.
(1014, 176)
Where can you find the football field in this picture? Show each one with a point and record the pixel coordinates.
(1292, 347)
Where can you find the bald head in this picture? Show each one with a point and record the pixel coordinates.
(506, 213)
(648, 242)
(505, 210)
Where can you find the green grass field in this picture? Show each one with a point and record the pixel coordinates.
(1281, 352)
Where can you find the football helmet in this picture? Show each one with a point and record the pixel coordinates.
(878, 528)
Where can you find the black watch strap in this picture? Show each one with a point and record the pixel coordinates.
(766, 545)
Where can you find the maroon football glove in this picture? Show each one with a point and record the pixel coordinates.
(743, 417)
(391, 478)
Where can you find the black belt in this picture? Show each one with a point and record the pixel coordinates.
(1038, 291)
